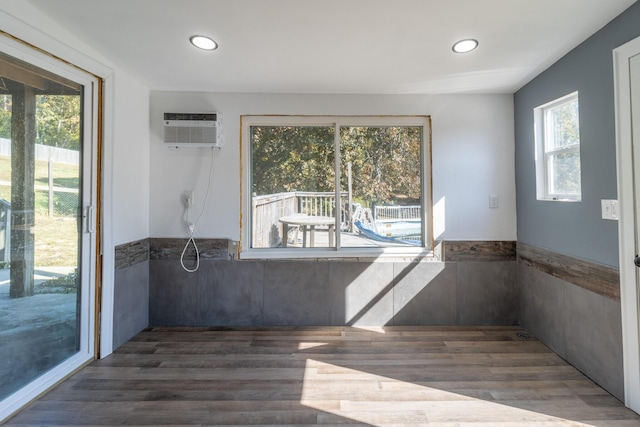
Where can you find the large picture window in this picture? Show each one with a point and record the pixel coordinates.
(336, 185)
(558, 149)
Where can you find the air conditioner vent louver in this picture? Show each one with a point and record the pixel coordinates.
(192, 130)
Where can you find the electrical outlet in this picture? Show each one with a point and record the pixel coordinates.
(493, 201)
(187, 198)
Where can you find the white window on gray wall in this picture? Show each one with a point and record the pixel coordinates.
(557, 137)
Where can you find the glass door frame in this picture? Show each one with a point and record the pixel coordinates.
(90, 227)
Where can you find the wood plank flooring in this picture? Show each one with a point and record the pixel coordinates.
(392, 376)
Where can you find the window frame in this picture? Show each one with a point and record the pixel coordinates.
(543, 153)
(247, 121)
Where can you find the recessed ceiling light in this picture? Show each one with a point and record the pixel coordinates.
(464, 46)
(203, 42)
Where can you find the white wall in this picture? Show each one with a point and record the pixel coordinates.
(130, 161)
(125, 173)
(473, 157)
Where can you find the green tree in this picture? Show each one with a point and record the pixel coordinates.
(564, 123)
(292, 158)
(385, 161)
(58, 121)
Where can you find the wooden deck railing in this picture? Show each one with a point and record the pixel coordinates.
(268, 209)
(265, 213)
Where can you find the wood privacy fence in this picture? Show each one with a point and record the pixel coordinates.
(269, 208)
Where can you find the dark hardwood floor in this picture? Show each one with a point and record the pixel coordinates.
(330, 376)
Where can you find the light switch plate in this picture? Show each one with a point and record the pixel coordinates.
(609, 209)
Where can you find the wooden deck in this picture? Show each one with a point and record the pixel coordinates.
(348, 240)
(330, 376)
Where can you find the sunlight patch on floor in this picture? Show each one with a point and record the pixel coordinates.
(342, 392)
(307, 345)
(378, 329)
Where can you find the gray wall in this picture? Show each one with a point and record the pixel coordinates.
(299, 293)
(475, 286)
(575, 229)
(555, 311)
(131, 291)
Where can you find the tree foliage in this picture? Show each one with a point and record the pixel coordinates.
(385, 161)
(563, 132)
(564, 124)
(57, 120)
(292, 158)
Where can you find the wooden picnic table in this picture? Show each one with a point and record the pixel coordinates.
(309, 222)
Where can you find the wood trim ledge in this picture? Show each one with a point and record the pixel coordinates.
(478, 250)
(594, 277)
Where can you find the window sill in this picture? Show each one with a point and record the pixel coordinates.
(559, 199)
(345, 254)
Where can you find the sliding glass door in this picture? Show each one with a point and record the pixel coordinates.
(47, 231)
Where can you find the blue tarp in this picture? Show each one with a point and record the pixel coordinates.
(370, 234)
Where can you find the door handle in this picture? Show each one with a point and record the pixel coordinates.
(91, 224)
(636, 261)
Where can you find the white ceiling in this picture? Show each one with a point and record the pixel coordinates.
(334, 46)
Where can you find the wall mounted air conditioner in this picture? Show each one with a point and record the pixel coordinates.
(192, 130)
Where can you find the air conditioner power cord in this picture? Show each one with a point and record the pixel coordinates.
(191, 228)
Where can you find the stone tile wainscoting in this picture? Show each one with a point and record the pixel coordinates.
(131, 290)
(573, 306)
(475, 285)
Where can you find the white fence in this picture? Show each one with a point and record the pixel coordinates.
(62, 201)
(45, 153)
(396, 212)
